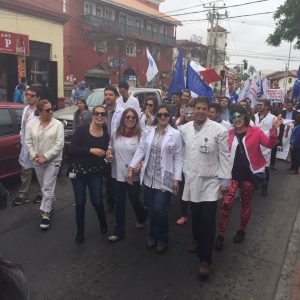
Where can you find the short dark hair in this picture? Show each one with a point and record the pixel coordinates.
(297, 119)
(241, 110)
(112, 89)
(187, 91)
(201, 99)
(36, 90)
(265, 101)
(177, 94)
(124, 85)
(216, 106)
(225, 97)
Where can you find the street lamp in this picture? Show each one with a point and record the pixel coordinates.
(119, 40)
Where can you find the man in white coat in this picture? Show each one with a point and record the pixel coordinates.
(32, 98)
(126, 100)
(207, 171)
(264, 120)
(114, 113)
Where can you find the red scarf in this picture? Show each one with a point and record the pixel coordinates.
(129, 132)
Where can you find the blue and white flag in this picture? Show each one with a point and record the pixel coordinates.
(296, 87)
(152, 67)
(178, 83)
(196, 85)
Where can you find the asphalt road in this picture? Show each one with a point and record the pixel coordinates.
(59, 269)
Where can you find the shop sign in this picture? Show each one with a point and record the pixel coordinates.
(277, 95)
(13, 43)
(117, 63)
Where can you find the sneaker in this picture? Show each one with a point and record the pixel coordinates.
(239, 236)
(219, 243)
(45, 223)
(38, 199)
(181, 221)
(19, 201)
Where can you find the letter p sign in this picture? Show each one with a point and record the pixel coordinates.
(7, 43)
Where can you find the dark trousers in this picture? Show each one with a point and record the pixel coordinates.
(204, 227)
(109, 186)
(265, 185)
(273, 156)
(122, 188)
(158, 212)
(295, 154)
(94, 184)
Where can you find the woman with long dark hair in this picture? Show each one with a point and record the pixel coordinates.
(82, 116)
(147, 115)
(161, 151)
(124, 142)
(88, 149)
(248, 165)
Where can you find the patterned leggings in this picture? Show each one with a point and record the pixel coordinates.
(247, 189)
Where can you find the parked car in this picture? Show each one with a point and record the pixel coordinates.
(10, 143)
(66, 115)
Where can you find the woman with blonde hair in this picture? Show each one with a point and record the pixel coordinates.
(124, 142)
(44, 139)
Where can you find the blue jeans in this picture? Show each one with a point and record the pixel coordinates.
(159, 223)
(121, 189)
(94, 185)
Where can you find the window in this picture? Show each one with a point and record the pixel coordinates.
(100, 46)
(149, 26)
(89, 8)
(6, 124)
(109, 14)
(99, 11)
(130, 48)
(161, 29)
(122, 18)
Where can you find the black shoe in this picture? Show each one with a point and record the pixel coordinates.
(160, 249)
(38, 199)
(45, 223)
(151, 244)
(20, 201)
(239, 236)
(219, 243)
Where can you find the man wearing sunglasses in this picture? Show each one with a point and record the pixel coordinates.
(32, 98)
(264, 120)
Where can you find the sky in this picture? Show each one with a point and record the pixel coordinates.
(247, 35)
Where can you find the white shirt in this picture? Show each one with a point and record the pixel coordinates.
(131, 102)
(123, 149)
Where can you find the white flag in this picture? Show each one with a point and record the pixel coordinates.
(227, 92)
(196, 66)
(152, 67)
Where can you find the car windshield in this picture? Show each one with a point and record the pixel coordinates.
(96, 98)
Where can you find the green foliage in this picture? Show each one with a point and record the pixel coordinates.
(287, 17)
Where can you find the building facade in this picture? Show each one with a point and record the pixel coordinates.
(31, 44)
(106, 41)
(282, 80)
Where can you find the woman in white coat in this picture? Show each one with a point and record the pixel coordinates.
(44, 140)
(161, 150)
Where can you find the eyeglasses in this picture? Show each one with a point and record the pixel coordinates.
(98, 114)
(149, 104)
(160, 115)
(30, 95)
(130, 117)
(48, 110)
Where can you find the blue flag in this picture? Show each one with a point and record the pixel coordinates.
(196, 85)
(296, 87)
(177, 84)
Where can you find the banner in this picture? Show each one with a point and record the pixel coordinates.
(276, 95)
(283, 151)
(13, 43)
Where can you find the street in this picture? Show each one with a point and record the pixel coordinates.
(264, 266)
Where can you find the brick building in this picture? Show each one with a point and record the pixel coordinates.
(105, 41)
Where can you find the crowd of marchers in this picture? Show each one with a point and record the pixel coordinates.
(200, 151)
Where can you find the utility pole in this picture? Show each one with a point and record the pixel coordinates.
(211, 17)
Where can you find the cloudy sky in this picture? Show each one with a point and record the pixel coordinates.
(247, 36)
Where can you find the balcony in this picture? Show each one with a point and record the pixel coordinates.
(125, 29)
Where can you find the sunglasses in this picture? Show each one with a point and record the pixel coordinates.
(149, 104)
(49, 110)
(130, 117)
(30, 95)
(98, 114)
(160, 115)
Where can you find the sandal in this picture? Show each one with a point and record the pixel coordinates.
(113, 238)
(181, 221)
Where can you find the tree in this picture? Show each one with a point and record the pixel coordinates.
(287, 17)
(251, 70)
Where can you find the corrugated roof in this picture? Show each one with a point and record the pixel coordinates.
(136, 6)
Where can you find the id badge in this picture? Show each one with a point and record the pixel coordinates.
(204, 149)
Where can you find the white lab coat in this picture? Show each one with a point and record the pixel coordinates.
(171, 156)
(206, 161)
(131, 102)
(265, 125)
(24, 158)
(115, 121)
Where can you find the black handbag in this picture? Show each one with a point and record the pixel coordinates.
(258, 178)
